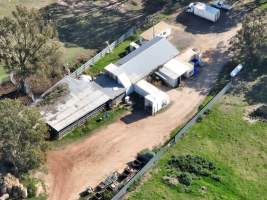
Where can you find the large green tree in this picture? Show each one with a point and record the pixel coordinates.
(22, 136)
(28, 46)
(248, 46)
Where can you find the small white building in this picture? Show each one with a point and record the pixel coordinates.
(172, 72)
(117, 74)
(155, 99)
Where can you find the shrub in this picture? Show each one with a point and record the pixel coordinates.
(185, 179)
(260, 113)
(199, 119)
(192, 164)
(30, 184)
(216, 177)
(107, 195)
(145, 155)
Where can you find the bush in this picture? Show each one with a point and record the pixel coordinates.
(30, 184)
(107, 195)
(192, 164)
(145, 155)
(199, 119)
(216, 177)
(260, 113)
(185, 179)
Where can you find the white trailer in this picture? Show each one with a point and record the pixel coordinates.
(203, 10)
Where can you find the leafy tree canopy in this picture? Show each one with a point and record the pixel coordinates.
(249, 44)
(22, 136)
(27, 45)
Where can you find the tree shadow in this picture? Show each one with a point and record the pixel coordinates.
(90, 24)
(216, 71)
(258, 92)
(228, 19)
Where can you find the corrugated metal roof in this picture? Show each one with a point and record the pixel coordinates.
(207, 8)
(141, 62)
(167, 72)
(177, 67)
(147, 88)
(83, 97)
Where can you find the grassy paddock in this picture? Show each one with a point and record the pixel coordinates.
(237, 147)
(3, 74)
(111, 57)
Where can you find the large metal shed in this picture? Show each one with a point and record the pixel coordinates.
(83, 100)
(146, 59)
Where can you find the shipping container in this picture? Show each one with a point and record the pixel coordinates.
(205, 11)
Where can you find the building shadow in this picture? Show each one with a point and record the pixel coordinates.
(134, 116)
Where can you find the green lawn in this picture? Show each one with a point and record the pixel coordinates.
(111, 58)
(3, 74)
(237, 147)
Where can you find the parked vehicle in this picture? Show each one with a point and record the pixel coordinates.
(165, 34)
(203, 10)
(221, 5)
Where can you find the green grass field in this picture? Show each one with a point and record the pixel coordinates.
(3, 74)
(237, 147)
(111, 57)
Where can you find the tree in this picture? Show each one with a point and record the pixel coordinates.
(22, 136)
(27, 45)
(248, 45)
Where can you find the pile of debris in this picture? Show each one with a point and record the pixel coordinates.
(107, 188)
(11, 188)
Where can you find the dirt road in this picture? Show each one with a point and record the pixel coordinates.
(88, 162)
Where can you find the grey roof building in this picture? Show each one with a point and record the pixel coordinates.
(82, 98)
(87, 97)
(146, 59)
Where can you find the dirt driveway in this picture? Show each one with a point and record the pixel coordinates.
(88, 162)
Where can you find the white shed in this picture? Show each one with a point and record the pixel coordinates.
(155, 99)
(112, 70)
(173, 70)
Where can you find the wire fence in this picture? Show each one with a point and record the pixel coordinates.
(182, 132)
(101, 54)
(146, 23)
